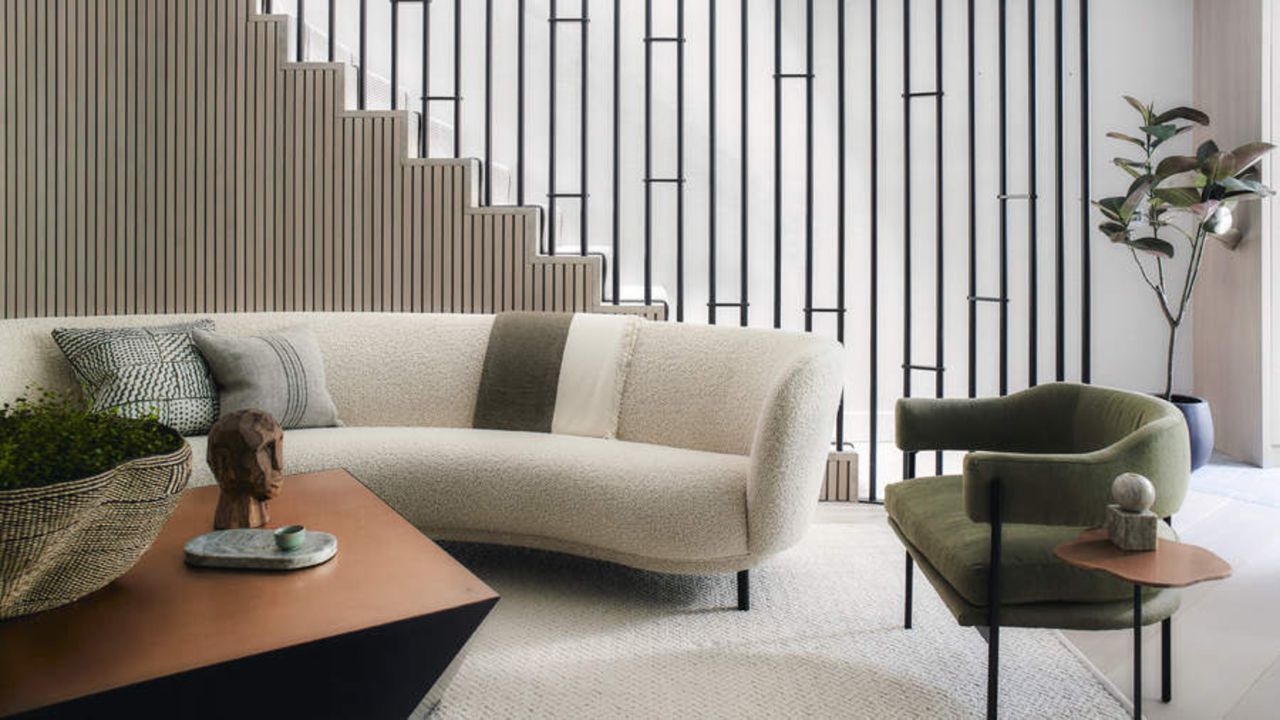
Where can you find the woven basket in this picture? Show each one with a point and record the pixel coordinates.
(61, 542)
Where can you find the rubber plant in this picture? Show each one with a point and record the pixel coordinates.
(1177, 203)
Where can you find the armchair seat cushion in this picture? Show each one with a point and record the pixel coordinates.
(929, 513)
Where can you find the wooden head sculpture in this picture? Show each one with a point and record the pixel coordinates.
(246, 455)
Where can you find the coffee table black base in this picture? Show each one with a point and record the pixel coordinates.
(382, 672)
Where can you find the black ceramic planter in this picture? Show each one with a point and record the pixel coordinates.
(1199, 425)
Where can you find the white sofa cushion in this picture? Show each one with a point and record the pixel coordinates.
(628, 498)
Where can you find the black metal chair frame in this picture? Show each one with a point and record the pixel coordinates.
(991, 633)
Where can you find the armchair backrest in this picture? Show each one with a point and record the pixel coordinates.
(1055, 448)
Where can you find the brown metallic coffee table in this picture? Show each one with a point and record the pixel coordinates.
(368, 634)
(1171, 565)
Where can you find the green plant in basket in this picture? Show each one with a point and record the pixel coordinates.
(48, 437)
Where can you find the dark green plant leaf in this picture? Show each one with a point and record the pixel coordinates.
(1142, 109)
(1127, 138)
(1236, 184)
(1182, 113)
(1218, 165)
(1160, 132)
(1206, 149)
(1136, 194)
(1155, 246)
(1114, 231)
(1179, 197)
(1180, 130)
(1175, 165)
(1111, 207)
(1247, 156)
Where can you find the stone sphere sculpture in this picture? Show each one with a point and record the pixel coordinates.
(1133, 492)
(246, 455)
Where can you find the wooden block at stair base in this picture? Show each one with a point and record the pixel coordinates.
(1130, 530)
(841, 482)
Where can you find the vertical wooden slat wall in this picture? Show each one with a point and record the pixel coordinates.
(163, 156)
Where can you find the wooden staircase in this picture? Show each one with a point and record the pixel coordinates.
(204, 172)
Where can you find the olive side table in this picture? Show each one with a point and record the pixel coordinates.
(1171, 565)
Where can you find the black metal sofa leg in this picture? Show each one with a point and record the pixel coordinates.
(906, 606)
(744, 589)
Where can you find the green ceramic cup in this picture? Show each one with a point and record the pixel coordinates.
(290, 537)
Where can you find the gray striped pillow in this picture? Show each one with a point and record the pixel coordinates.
(281, 374)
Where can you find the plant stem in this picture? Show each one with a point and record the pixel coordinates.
(1168, 370)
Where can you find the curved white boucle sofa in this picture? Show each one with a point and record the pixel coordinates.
(722, 435)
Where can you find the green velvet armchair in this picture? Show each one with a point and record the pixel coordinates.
(1038, 471)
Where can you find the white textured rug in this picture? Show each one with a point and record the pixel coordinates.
(573, 638)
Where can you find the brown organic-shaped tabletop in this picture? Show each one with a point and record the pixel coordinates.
(1172, 564)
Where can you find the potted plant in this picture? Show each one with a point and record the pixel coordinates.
(82, 495)
(1177, 203)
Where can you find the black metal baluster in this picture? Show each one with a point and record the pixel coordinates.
(808, 166)
(873, 389)
(457, 77)
(939, 368)
(300, 29)
(520, 11)
(840, 204)
(973, 202)
(744, 267)
(363, 70)
(1086, 280)
(777, 163)
(332, 24)
(488, 101)
(1004, 205)
(648, 151)
(584, 27)
(711, 162)
(424, 122)
(617, 151)
(1059, 207)
(552, 193)
(679, 181)
(1033, 241)
(906, 212)
(395, 52)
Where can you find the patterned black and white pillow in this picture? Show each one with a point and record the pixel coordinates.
(140, 370)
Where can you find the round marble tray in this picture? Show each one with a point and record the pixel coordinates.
(255, 549)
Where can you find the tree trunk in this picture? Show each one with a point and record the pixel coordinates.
(1168, 370)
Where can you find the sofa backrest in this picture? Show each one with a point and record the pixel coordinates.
(689, 386)
(381, 368)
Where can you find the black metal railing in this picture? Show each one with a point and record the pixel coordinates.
(665, 239)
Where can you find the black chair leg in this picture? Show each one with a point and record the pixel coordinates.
(993, 605)
(1166, 660)
(1137, 652)
(993, 671)
(906, 607)
(744, 590)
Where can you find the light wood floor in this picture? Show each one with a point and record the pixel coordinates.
(1226, 656)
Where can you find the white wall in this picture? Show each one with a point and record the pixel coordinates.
(1140, 47)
